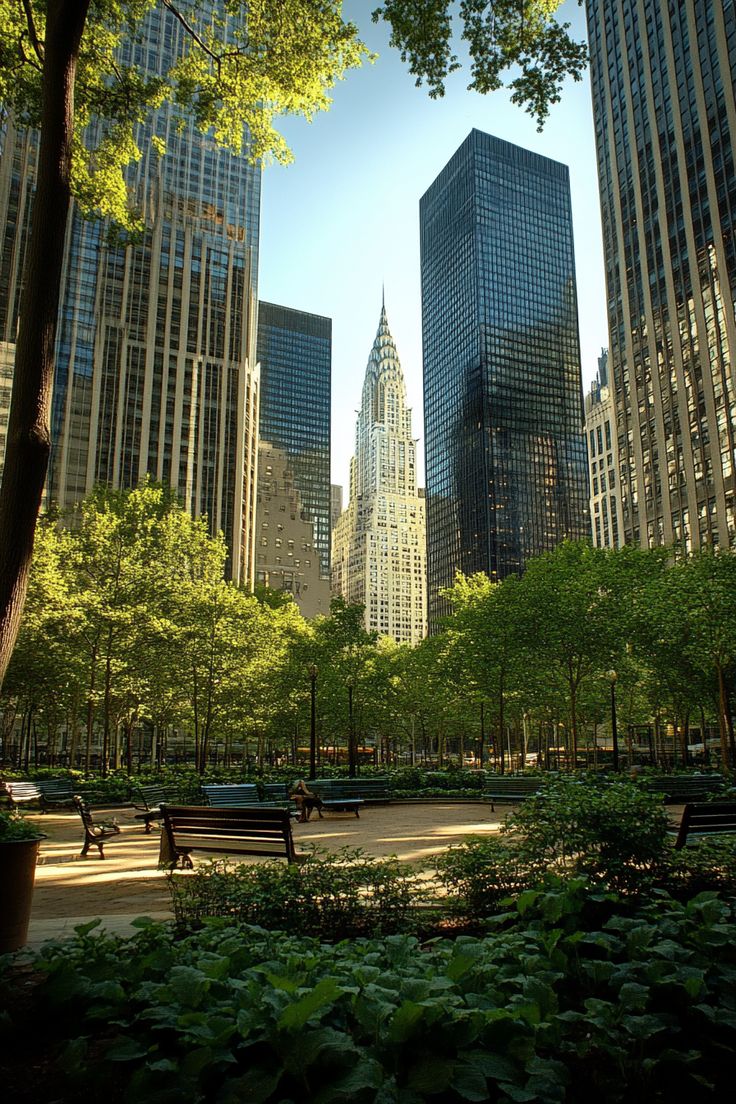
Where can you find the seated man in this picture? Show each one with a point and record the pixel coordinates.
(305, 800)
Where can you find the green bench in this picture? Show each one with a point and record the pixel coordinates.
(229, 795)
(246, 831)
(707, 818)
(509, 789)
(150, 799)
(49, 793)
(680, 789)
(348, 794)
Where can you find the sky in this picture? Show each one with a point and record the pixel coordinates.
(343, 220)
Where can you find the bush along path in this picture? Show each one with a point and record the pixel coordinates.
(576, 997)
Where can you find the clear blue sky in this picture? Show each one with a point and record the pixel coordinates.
(344, 217)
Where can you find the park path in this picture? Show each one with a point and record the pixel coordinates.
(127, 883)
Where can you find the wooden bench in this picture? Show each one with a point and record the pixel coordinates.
(231, 796)
(20, 793)
(153, 797)
(348, 794)
(509, 789)
(95, 832)
(246, 830)
(55, 792)
(706, 818)
(680, 789)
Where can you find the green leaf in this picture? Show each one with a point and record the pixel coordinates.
(126, 1050)
(403, 1021)
(296, 1015)
(469, 1083)
(255, 1086)
(431, 1075)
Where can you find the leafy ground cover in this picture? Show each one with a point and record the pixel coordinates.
(575, 997)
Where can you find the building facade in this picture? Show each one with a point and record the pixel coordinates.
(665, 120)
(606, 517)
(378, 546)
(335, 504)
(286, 556)
(155, 350)
(295, 357)
(503, 412)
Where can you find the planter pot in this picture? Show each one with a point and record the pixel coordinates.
(17, 872)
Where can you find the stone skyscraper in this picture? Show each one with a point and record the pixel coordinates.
(665, 121)
(600, 427)
(506, 463)
(155, 349)
(378, 545)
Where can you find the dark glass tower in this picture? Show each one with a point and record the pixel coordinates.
(665, 119)
(295, 353)
(506, 459)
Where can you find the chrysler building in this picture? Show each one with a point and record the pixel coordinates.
(378, 549)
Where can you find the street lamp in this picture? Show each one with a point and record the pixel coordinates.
(313, 723)
(351, 730)
(614, 730)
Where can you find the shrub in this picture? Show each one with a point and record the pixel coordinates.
(707, 865)
(615, 833)
(480, 873)
(331, 896)
(15, 827)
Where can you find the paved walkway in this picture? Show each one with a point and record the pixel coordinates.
(70, 891)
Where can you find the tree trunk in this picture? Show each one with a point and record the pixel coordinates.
(723, 718)
(501, 723)
(29, 438)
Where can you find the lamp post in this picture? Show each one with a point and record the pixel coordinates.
(614, 730)
(313, 723)
(351, 730)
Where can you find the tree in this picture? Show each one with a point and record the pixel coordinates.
(242, 66)
(501, 35)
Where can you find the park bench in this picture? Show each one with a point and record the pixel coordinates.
(49, 793)
(152, 797)
(679, 789)
(248, 830)
(95, 831)
(706, 818)
(348, 794)
(509, 789)
(231, 796)
(20, 793)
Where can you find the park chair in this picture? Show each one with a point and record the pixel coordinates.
(95, 832)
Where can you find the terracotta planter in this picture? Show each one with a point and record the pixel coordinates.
(17, 873)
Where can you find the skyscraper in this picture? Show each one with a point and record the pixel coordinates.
(665, 120)
(603, 464)
(295, 355)
(506, 463)
(155, 349)
(378, 546)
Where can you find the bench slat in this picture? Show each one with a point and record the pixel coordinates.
(250, 831)
(705, 819)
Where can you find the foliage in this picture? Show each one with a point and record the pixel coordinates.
(518, 35)
(706, 865)
(14, 827)
(335, 896)
(614, 833)
(481, 873)
(637, 1008)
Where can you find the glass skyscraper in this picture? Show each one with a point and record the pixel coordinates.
(295, 355)
(155, 349)
(505, 450)
(665, 119)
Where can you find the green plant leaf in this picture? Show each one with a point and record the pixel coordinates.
(297, 1014)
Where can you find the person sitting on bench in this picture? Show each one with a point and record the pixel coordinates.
(305, 800)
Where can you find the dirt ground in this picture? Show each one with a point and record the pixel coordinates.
(70, 890)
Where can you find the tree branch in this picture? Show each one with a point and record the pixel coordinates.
(35, 43)
(192, 34)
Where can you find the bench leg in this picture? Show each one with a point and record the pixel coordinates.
(85, 848)
(357, 813)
